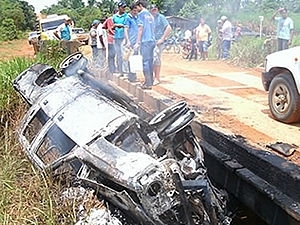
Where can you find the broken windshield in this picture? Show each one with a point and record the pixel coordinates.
(55, 144)
(52, 25)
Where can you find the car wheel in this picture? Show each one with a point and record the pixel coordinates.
(72, 63)
(168, 116)
(181, 122)
(284, 100)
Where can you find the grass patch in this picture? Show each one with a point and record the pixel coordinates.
(27, 196)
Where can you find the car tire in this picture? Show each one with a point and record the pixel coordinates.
(284, 99)
(166, 117)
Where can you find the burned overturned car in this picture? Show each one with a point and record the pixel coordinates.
(153, 171)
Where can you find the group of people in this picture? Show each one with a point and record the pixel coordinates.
(201, 39)
(144, 31)
(141, 31)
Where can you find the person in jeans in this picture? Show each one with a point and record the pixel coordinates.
(193, 52)
(119, 19)
(227, 35)
(130, 32)
(146, 41)
(285, 29)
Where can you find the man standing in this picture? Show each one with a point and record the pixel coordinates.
(162, 31)
(63, 32)
(93, 35)
(131, 32)
(109, 26)
(119, 19)
(203, 36)
(146, 41)
(285, 29)
(219, 39)
(226, 31)
(101, 46)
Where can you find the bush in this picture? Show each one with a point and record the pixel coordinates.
(248, 51)
(8, 30)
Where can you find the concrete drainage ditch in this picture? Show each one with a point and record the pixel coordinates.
(262, 181)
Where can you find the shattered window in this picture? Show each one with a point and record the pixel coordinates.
(68, 168)
(55, 144)
(35, 125)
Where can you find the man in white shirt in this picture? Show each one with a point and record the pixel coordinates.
(227, 35)
(101, 45)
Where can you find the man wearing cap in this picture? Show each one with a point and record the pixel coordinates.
(64, 30)
(93, 35)
(119, 19)
(227, 36)
(162, 31)
(146, 41)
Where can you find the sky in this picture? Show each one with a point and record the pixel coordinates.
(42, 4)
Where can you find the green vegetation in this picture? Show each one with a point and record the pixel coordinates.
(16, 17)
(26, 197)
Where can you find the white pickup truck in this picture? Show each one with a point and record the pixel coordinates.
(282, 79)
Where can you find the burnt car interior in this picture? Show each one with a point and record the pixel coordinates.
(152, 171)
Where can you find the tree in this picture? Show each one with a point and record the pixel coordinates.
(8, 29)
(91, 3)
(71, 4)
(190, 10)
(29, 16)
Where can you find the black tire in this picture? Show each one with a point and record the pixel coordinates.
(168, 113)
(177, 125)
(284, 99)
(72, 63)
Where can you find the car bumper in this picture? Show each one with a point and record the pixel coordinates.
(266, 80)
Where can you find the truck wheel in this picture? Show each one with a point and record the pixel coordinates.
(284, 100)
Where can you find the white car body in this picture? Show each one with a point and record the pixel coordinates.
(281, 79)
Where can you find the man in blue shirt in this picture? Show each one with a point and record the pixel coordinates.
(146, 41)
(64, 30)
(162, 31)
(118, 20)
(131, 32)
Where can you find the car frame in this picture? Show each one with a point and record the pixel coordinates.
(154, 171)
(281, 78)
